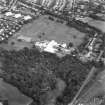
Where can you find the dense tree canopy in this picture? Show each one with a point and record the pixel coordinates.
(35, 73)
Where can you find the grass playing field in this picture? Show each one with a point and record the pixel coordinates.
(42, 29)
(13, 95)
(46, 29)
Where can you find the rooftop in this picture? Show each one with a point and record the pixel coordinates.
(54, 47)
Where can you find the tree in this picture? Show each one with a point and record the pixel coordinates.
(35, 73)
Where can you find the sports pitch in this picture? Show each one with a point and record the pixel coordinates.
(45, 29)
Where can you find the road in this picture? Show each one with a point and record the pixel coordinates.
(93, 70)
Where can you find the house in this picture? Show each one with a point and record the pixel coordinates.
(48, 46)
(28, 17)
(50, 3)
(42, 44)
(56, 5)
(51, 47)
(60, 5)
(17, 15)
(45, 3)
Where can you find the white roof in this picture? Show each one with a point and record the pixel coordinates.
(9, 14)
(40, 44)
(50, 47)
(27, 17)
(1, 30)
(64, 45)
(17, 15)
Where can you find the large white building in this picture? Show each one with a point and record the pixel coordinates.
(54, 47)
(48, 46)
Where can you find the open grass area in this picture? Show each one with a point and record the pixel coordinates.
(97, 24)
(43, 28)
(14, 96)
(16, 46)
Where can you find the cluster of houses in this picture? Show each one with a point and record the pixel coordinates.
(53, 4)
(12, 22)
(61, 5)
(93, 50)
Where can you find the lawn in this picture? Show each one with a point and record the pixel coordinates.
(43, 28)
(98, 24)
(14, 96)
(95, 23)
(16, 46)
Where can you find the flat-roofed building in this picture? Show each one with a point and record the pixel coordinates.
(9, 14)
(18, 15)
(27, 17)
